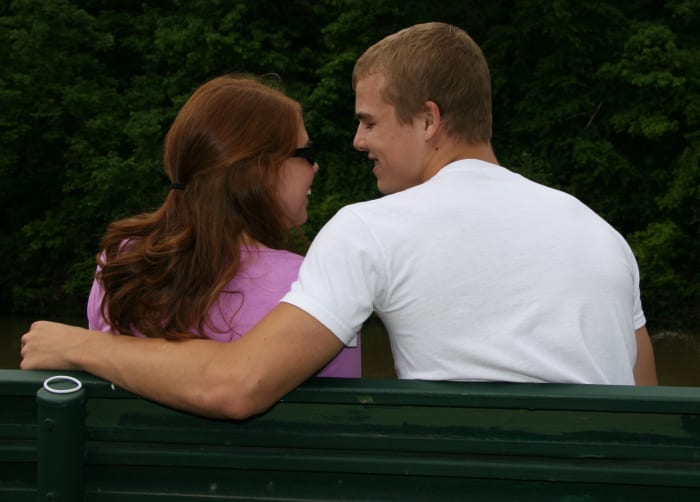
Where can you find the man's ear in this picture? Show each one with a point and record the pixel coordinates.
(431, 119)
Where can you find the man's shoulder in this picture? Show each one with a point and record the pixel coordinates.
(356, 209)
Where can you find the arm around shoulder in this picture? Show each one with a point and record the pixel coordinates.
(282, 351)
(154, 368)
(224, 380)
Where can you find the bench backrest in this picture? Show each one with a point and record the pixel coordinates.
(356, 440)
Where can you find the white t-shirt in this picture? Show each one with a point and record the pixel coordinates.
(480, 274)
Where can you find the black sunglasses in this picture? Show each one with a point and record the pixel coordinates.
(306, 152)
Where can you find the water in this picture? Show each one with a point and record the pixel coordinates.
(677, 358)
(677, 353)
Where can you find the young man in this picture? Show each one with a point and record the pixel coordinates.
(478, 273)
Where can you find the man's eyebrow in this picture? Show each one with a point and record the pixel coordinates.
(363, 116)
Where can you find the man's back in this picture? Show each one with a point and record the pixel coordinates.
(480, 274)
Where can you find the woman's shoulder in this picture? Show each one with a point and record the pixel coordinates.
(271, 257)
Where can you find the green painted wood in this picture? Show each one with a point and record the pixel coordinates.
(61, 444)
(376, 439)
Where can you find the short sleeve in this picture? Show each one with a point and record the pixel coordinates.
(96, 320)
(341, 276)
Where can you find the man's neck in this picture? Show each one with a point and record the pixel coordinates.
(448, 151)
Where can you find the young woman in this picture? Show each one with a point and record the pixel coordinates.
(209, 262)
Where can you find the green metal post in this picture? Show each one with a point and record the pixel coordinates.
(61, 447)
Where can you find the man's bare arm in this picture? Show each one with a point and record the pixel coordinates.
(645, 367)
(226, 380)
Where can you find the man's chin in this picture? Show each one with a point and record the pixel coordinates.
(383, 188)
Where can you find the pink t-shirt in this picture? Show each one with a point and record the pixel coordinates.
(264, 277)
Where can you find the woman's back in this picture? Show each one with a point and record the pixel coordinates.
(264, 276)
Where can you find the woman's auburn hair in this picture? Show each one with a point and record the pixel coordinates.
(163, 271)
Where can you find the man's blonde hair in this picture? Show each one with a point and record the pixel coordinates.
(434, 62)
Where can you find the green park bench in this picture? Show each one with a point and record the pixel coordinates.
(349, 440)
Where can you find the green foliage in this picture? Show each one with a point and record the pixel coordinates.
(665, 255)
(600, 99)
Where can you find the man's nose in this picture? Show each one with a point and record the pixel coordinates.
(359, 141)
